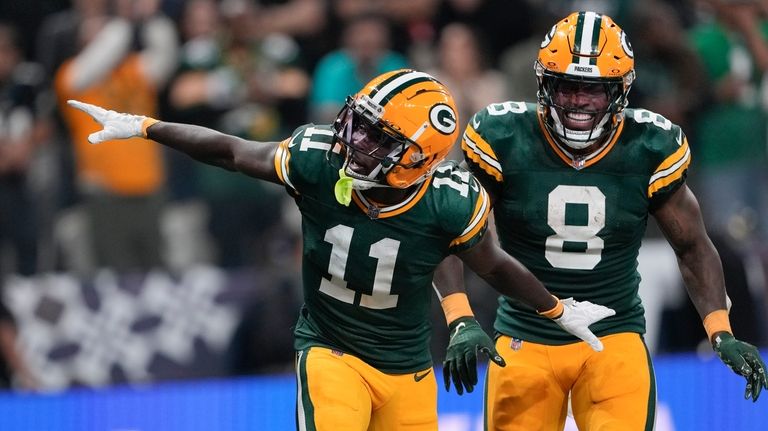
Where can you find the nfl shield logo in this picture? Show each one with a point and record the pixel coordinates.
(516, 344)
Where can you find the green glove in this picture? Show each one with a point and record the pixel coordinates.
(744, 359)
(460, 365)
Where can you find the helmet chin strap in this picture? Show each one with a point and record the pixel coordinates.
(582, 136)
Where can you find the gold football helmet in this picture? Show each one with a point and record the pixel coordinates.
(585, 48)
(396, 130)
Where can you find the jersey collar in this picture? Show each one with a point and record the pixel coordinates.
(375, 210)
(566, 156)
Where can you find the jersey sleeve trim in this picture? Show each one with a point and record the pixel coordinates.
(478, 220)
(282, 157)
(671, 169)
(479, 151)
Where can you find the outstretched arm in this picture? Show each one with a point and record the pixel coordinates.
(680, 220)
(253, 158)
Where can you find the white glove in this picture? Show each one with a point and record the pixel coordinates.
(577, 316)
(115, 124)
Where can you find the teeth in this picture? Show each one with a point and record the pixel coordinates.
(578, 116)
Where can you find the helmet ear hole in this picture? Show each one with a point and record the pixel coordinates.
(417, 156)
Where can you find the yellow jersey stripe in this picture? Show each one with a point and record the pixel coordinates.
(480, 152)
(390, 211)
(478, 221)
(663, 178)
(282, 157)
(673, 159)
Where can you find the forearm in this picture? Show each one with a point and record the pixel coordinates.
(506, 275)
(702, 274)
(680, 220)
(512, 279)
(203, 144)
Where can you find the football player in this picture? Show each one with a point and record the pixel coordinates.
(573, 179)
(379, 213)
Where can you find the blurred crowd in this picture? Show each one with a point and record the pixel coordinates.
(260, 68)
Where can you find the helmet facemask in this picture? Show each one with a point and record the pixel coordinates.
(585, 70)
(602, 121)
(372, 147)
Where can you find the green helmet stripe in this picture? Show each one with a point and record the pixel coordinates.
(388, 90)
(387, 81)
(585, 44)
(577, 37)
(595, 38)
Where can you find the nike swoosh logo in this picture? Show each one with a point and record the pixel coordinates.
(419, 377)
(457, 328)
(475, 122)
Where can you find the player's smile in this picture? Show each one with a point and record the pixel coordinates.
(581, 103)
(578, 120)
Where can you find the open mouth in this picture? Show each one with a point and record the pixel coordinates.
(580, 117)
(356, 167)
(579, 120)
(361, 166)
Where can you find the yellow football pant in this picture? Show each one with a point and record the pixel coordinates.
(612, 390)
(341, 392)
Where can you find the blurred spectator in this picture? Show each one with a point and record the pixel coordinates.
(747, 315)
(14, 372)
(411, 21)
(18, 221)
(122, 62)
(515, 61)
(730, 130)
(674, 83)
(364, 53)
(58, 37)
(463, 67)
(57, 40)
(305, 21)
(506, 22)
(262, 341)
(246, 86)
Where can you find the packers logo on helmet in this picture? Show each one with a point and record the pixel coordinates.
(443, 118)
(397, 129)
(585, 48)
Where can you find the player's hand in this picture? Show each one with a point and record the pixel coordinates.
(744, 359)
(460, 365)
(115, 125)
(578, 315)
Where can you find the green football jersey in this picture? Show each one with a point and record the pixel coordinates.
(576, 224)
(367, 269)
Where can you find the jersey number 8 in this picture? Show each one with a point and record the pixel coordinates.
(583, 237)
